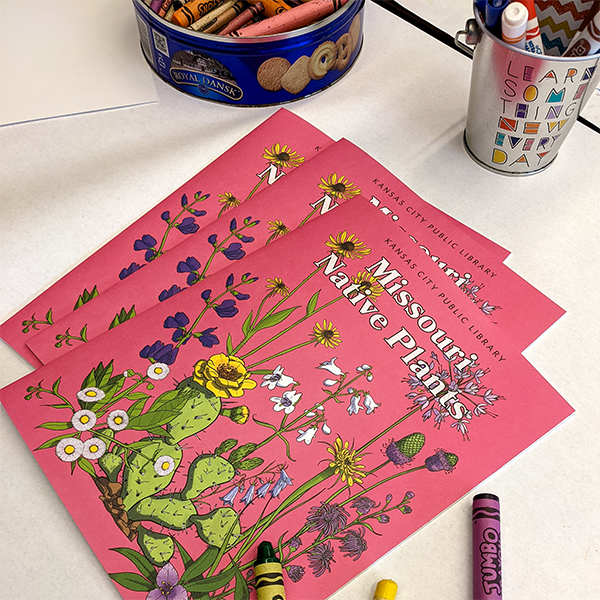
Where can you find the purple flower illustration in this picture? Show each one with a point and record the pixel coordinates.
(206, 337)
(147, 243)
(295, 543)
(160, 352)
(190, 265)
(320, 559)
(490, 397)
(246, 239)
(392, 451)
(205, 295)
(441, 461)
(132, 268)
(212, 239)
(233, 225)
(263, 489)
(227, 309)
(295, 573)
(188, 225)
(383, 519)
(249, 495)
(354, 543)
(168, 588)
(234, 251)
(327, 518)
(487, 308)
(178, 322)
(363, 505)
(174, 289)
(165, 216)
(184, 200)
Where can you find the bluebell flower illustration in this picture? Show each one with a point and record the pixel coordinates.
(192, 266)
(281, 484)
(188, 225)
(159, 352)
(327, 518)
(147, 243)
(206, 337)
(229, 497)
(320, 559)
(249, 495)
(354, 543)
(263, 489)
(132, 268)
(227, 309)
(295, 572)
(234, 251)
(177, 322)
(174, 289)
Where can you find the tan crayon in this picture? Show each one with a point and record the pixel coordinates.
(296, 17)
(192, 11)
(243, 18)
(272, 7)
(208, 18)
(225, 17)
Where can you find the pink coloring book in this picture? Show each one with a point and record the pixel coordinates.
(335, 175)
(276, 147)
(319, 394)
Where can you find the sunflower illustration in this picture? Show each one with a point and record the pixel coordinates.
(367, 285)
(345, 461)
(326, 334)
(277, 286)
(282, 156)
(338, 186)
(347, 245)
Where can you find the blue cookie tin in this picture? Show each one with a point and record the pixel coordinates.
(253, 71)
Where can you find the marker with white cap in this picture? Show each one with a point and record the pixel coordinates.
(514, 24)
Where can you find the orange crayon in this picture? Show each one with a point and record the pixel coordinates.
(272, 7)
(192, 11)
(296, 17)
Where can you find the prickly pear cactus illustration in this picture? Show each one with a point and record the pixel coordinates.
(169, 511)
(111, 465)
(157, 547)
(220, 527)
(149, 471)
(204, 472)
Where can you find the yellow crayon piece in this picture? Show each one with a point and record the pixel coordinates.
(225, 17)
(386, 590)
(268, 575)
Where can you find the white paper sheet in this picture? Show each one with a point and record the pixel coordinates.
(69, 56)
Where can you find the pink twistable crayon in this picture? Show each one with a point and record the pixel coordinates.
(296, 17)
(514, 22)
(242, 18)
(533, 39)
(487, 564)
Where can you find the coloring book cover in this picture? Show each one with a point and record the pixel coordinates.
(280, 144)
(335, 175)
(318, 394)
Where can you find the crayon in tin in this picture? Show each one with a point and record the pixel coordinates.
(242, 18)
(209, 17)
(268, 574)
(272, 7)
(487, 564)
(225, 17)
(192, 11)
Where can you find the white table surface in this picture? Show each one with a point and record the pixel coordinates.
(70, 184)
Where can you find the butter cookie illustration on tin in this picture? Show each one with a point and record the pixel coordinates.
(354, 32)
(322, 60)
(344, 51)
(271, 72)
(297, 77)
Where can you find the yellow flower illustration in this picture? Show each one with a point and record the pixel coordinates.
(347, 245)
(327, 335)
(225, 376)
(228, 201)
(338, 186)
(283, 156)
(368, 285)
(277, 228)
(277, 286)
(345, 462)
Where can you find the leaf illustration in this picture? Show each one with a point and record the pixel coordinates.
(144, 566)
(275, 318)
(200, 565)
(132, 581)
(312, 303)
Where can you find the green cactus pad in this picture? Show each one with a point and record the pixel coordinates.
(411, 444)
(169, 511)
(218, 526)
(204, 472)
(200, 409)
(111, 465)
(140, 477)
(157, 548)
